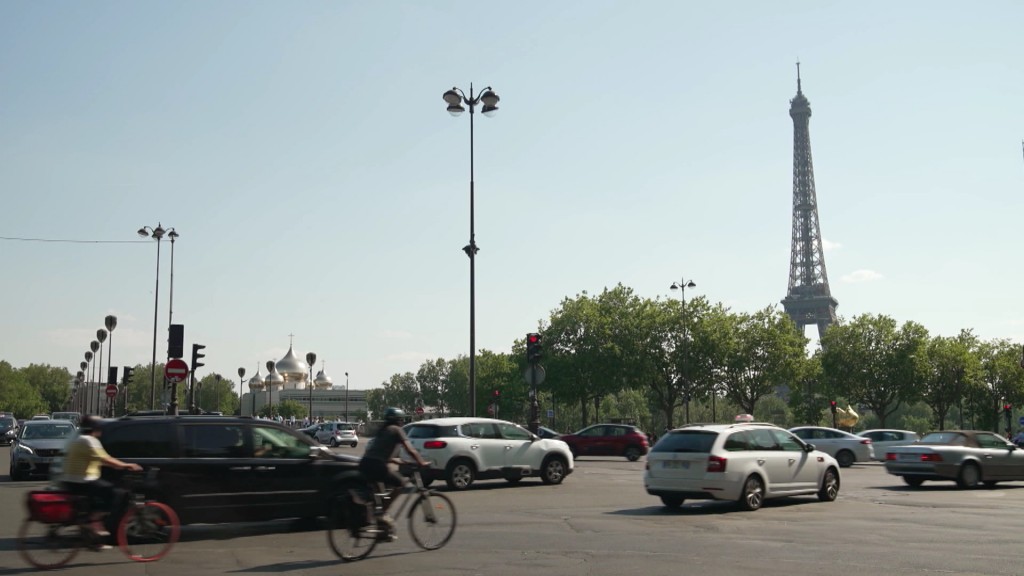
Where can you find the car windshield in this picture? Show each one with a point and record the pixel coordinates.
(47, 431)
(6, 423)
(951, 438)
(698, 441)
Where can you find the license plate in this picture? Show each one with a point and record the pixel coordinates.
(679, 464)
(44, 460)
(908, 457)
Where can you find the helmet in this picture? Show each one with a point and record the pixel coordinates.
(394, 415)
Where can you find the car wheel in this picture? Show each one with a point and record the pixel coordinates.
(913, 482)
(845, 458)
(552, 470)
(672, 501)
(354, 444)
(334, 442)
(752, 496)
(829, 486)
(460, 475)
(632, 453)
(969, 475)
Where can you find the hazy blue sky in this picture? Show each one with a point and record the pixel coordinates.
(303, 152)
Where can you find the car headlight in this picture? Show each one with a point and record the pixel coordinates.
(23, 448)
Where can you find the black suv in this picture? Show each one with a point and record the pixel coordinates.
(216, 469)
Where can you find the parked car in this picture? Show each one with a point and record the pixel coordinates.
(545, 432)
(37, 445)
(310, 430)
(216, 469)
(746, 463)
(75, 417)
(608, 440)
(336, 434)
(883, 439)
(8, 430)
(967, 457)
(846, 448)
(41, 417)
(463, 450)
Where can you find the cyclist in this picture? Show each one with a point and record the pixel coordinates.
(380, 455)
(83, 457)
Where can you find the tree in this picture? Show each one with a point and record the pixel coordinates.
(871, 362)
(951, 368)
(17, 395)
(763, 355)
(53, 384)
(1001, 376)
(286, 409)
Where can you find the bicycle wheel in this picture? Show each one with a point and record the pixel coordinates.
(148, 532)
(349, 539)
(49, 545)
(432, 520)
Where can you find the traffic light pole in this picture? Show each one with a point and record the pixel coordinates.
(534, 404)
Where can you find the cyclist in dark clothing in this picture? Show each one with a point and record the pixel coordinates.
(380, 454)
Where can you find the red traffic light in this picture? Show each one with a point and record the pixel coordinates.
(532, 338)
(497, 393)
(1007, 407)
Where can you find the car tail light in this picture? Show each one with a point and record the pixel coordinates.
(435, 444)
(866, 441)
(931, 457)
(890, 456)
(716, 464)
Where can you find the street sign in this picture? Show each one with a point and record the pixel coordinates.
(551, 413)
(176, 370)
(419, 410)
(534, 372)
(111, 391)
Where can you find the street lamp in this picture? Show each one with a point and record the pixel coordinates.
(255, 385)
(455, 98)
(111, 322)
(82, 387)
(241, 386)
(89, 354)
(310, 360)
(101, 336)
(346, 397)
(172, 234)
(156, 233)
(682, 285)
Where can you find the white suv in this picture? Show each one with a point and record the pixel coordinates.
(336, 434)
(462, 450)
(746, 463)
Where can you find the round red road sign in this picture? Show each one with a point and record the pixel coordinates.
(176, 370)
(111, 390)
(419, 409)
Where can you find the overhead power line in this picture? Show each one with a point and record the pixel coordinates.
(71, 241)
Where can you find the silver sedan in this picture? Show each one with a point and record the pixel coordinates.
(968, 457)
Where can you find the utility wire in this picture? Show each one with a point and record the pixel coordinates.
(18, 239)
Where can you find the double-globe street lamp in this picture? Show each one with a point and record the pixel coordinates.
(241, 385)
(111, 322)
(682, 285)
(456, 98)
(157, 234)
(310, 360)
(101, 335)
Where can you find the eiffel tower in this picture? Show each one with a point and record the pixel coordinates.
(809, 300)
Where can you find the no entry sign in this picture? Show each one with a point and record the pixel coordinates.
(176, 370)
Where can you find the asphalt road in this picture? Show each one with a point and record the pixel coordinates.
(601, 522)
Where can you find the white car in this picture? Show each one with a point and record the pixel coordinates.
(883, 439)
(463, 450)
(846, 448)
(744, 462)
(336, 434)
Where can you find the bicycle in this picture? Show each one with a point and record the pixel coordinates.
(58, 526)
(353, 537)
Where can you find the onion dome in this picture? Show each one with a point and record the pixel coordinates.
(291, 368)
(323, 381)
(273, 380)
(256, 382)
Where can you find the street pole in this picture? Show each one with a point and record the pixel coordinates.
(310, 360)
(156, 233)
(346, 397)
(241, 388)
(682, 285)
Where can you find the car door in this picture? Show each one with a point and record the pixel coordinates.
(802, 465)
(996, 457)
(518, 444)
(487, 445)
(285, 479)
(771, 460)
(593, 441)
(214, 477)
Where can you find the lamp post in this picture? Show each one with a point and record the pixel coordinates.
(89, 355)
(346, 396)
(111, 322)
(82, 387)
(156, 233)
(310, 360)
(682, 285)
(455, 98)
(241, 386)
(101, 336)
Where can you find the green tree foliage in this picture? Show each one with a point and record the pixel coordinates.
(17, 396)
(951, 368)
(763, 354)
(53, 384)
(285, 409)
(872, 363)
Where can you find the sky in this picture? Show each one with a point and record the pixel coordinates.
(303, 153)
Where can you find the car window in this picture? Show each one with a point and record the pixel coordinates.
(47, 431)
(593, 431)
(617, 431)
(803, 433)
(513, 432)
(950, 438)
(763, 439)
(484, 430)
(139, 440)
(214, 441)
(697, 441)
(737, 442)
(269, 442)
(787, 441)
(873, 436)
(421, 431)
(990, 441)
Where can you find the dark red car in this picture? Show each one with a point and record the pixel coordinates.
(608, 440)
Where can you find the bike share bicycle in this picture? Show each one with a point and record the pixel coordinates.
(353, 536)
(58, 526)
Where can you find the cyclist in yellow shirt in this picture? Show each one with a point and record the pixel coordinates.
(83, 457)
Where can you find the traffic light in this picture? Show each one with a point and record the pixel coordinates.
(196, 355)
(496, 393)
(832, 406)
(533, 348)
(1007, 409)
(111, 375)
(129, 373)
(176, 341)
